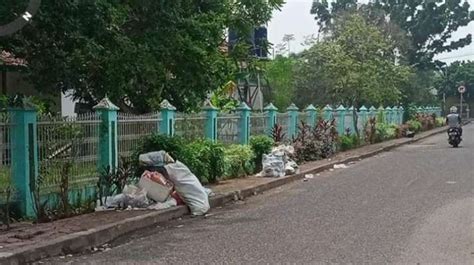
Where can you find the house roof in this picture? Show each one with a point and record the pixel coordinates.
(8, 59)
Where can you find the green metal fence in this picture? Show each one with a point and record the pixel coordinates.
(131, 128)
(228, 128)
(68, 147)
(47, 149)
(6, 185)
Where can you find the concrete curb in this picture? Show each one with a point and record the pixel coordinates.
(80, 241)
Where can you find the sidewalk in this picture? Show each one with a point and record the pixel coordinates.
(26, 242)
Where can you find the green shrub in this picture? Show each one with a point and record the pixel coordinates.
(345, 143)
(414, 125)
(260, 145)
(203, 157)
(239, 161)
(348, 142)
(440, 122)
(385, 132)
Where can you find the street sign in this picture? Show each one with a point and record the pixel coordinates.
(462, 89)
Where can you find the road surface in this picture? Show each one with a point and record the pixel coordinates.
(414, 205)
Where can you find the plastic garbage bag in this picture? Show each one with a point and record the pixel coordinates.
(189, 188)
(171, 202)
(155, 159)
(273, 166)
(291, 168)
(135, 197)
(157, 187)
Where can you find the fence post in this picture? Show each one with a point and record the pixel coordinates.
(168, 112)
(351, 110)
(395, 118)
(363, 112)
(372, 112)
(402, 114)
(292, 120)
(341, 115)
(244, 123)
(420, 110)
(211, 120)
(272, 117)
(388, 115)
(108, 142)
(327, 113)
(24, 156)
(311, 115)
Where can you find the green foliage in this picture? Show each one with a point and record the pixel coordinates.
(440, 122)
(452, 76)
(7, 190)
(355, 65)
(348, 142)
(384, 132)
(425, 37)
(381, 116)
(414, 125)
(279, 73)
(133, 51)
(203, 157)
(239, 161)
(260, 145)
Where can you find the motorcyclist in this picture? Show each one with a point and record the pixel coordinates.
(453, 120)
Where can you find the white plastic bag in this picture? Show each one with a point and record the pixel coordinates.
(189, 188)
(291, 168)
(155, 159)
(135, 197)
(273, 166)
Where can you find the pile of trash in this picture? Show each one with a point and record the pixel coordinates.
(279, 162)
(165, 183)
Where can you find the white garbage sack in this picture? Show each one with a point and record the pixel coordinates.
(189, 188)
(273, 166)
(291, 168)
(155, 159)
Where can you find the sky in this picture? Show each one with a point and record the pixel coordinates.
(295, 18)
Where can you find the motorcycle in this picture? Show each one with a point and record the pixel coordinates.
(454, 137)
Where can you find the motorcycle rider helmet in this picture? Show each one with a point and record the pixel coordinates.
(453, 109)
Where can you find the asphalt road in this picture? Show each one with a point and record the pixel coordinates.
(412, 205)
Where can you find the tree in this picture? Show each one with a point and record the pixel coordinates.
(279, 73)
(428, 24)
(135, 52)
(356, 65)
(454, 75)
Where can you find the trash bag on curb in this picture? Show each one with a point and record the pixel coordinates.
(155, 159)
(273, 166)
(135, 197)
(188, 187)
(171, 202)
(291, 168)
